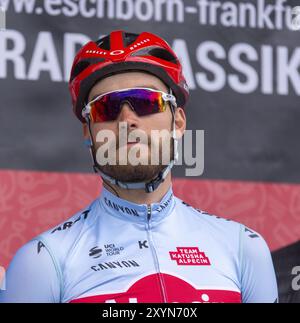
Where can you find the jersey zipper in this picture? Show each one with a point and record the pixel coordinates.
(154, 254)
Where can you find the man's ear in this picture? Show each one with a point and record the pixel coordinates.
(180, 122)
(85, 129)
(86, 135)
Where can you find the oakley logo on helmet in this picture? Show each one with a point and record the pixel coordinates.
(117, 52)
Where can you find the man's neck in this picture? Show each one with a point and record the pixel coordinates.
(140, 196)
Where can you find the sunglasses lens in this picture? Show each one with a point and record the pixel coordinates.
(97, 113)
(144, 102)
(105, 108)
(147, 102)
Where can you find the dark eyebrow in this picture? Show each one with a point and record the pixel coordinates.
(148, 86)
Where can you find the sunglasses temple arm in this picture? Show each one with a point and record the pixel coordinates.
(174, 137)
(92, 145)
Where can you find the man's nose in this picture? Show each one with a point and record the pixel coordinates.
(127, 114)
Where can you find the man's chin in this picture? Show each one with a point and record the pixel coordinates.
(134, 174)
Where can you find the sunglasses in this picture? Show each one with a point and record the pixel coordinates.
(144, 101)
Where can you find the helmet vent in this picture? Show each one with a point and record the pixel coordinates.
(82, 65)
(104, 42)
(160, 53)
(129, 38)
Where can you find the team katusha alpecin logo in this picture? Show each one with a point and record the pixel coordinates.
(189, 256)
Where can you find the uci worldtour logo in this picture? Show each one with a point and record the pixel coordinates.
(95, 252)
(110, 250)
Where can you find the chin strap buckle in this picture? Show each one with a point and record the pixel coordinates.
(153, 185)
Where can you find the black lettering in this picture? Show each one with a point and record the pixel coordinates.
(134, 212)
(78, 219)
(85, 214)
(127, 210)
(115, 206)
(134, 263)
(107, 202)
(110, 265)
(124, 263)
(40, 246)
(252, 234)
(67, 225)
(118, 263)
(143, 244)
(121, 208)
(186, 204)
(115, 264)
(56, 229)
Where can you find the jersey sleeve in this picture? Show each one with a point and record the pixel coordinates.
(258, 278)
(32, 276)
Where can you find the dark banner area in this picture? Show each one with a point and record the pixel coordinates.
(242, 67)
(284, 262)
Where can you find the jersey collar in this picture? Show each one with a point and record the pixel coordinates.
(127, 210)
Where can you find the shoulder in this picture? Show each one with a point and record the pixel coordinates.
(211, 223)
(236, 236)
(31, 276)
(246, 247)
(59, 240)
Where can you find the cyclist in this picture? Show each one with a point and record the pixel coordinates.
(137, 242)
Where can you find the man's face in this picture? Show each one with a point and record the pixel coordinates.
(144, 125)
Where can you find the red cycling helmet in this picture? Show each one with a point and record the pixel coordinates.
(119, 52)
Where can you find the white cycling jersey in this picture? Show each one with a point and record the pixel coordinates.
(117, 251)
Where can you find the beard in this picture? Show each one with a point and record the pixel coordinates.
(140, 172)
(130, 173)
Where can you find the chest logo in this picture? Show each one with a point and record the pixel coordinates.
(189, 256)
